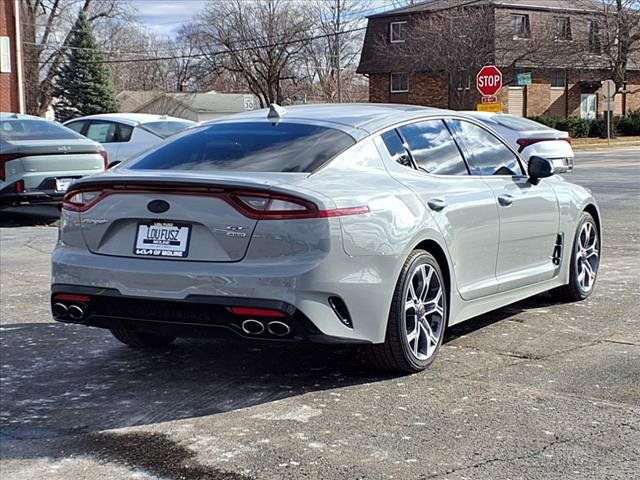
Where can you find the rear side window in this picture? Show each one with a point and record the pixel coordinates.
(433, 148)
(24, 129)
(124, 132)
(486, 155)
(396, 149)
(248, 147)
(102, 132)
(166, 128)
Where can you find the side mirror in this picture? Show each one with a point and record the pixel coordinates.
(539, 168)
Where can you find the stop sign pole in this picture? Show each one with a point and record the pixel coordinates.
(489, 80)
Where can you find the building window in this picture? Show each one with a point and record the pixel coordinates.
(398, 32)
(5, 55)
(559, 79)
(521, 26)
(399, 82)
(462, 80)
(594, 37)
(562, 28)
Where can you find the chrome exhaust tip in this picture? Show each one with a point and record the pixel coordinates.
(252, 327)
(60, 309)
(76, 312)
(279, 329)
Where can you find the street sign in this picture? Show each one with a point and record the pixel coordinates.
(523, 79)
(490, 99)
(489, 107)
(608, 88)
(489, 80)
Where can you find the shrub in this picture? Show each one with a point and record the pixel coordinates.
(599, 127)
(576, 127)
(630, 125)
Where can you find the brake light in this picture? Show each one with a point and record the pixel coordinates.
(4, 158)
(105, 156)
(256, 312)
(81, 200)
(20, 186)
(282, 207)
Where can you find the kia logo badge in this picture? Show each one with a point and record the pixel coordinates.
(158, 206)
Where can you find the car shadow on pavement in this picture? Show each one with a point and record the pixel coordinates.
(63, 380)
(60, 380)
(29, 216)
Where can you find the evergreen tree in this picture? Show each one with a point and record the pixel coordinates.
(83, 85)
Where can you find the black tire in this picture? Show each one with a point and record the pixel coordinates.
(395, 354)
(137, 339)
(574, 290)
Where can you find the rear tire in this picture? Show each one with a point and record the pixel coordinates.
(137, 339)
(417, 318)
(585, 260)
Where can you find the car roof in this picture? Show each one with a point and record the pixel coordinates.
(366, 117)
(19, 116)
(132, 119)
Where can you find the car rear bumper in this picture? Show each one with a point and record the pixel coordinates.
(314, 296)
(13, 199)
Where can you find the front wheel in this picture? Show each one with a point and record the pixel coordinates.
(585, 260)
(417, 318)
(137, 339)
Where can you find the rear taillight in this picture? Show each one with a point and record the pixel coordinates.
(81, 200)
(19, 186)
(105, 156)
(269, 207)
(4, 158)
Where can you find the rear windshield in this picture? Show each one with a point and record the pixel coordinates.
(166, 128)
(518, 123)
(28, 129)
(248, 147)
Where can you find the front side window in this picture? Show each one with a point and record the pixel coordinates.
(520, 26)
(562, 28)
(102, 132)
(76, 126)
(399, 82)
(433, 148)
(486, 155)
(248, 147)
(559, 79)
(398, 32)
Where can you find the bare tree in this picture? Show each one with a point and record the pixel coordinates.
(260, 39)
(330, 58)
(46, 29)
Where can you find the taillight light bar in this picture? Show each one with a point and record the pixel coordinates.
(4, 158)
(256, 312)
(254, 204)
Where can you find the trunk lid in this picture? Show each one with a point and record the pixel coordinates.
(183, 217)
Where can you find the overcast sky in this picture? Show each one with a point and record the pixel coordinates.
(166, 16)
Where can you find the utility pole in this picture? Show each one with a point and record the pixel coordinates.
(337, 42)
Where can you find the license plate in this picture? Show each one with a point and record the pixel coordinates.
(62, 184)
(162, 239)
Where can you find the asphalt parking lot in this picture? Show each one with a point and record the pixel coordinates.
(537, 390)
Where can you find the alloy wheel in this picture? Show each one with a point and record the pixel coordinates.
(587, 256)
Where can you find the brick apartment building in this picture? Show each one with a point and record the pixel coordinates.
(559, 85)
(11, 66)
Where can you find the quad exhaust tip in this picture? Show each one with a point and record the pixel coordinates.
(252, 327)
(279, 329)
(60, 309)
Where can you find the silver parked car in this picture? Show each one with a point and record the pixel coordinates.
(370, 224)
(125, 135)
(39, 159)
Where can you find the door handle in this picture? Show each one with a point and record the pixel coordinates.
(505, 200)
(437, 204)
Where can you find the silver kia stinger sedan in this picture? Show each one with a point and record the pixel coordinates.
(371, 224)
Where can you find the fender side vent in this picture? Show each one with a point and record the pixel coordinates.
(557, 250)
(341, 310)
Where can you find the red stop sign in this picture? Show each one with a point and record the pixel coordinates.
(489, 80)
